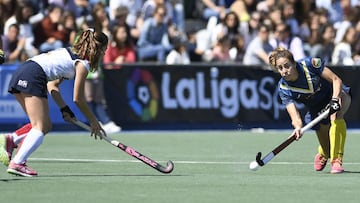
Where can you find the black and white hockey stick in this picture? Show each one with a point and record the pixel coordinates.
(287, 142)
(131, 151)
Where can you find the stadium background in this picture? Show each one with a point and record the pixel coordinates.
(163, 97)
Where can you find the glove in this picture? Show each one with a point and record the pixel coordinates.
(334, 105)
(67, 110)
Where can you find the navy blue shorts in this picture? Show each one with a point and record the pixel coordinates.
(29, 78)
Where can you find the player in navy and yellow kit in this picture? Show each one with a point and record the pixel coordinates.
(310, 82)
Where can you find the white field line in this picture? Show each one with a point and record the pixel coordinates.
(176, 162)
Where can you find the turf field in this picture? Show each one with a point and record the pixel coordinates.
(209, 167)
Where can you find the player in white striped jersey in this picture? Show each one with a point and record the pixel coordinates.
(43, 74)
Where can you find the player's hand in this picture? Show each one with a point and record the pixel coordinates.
(334, 105)
(67, 114)
(96, 130)
(297, 133)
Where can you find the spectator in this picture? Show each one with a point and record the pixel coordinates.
(249, 29)
(325, 46)
(209, 8)
(237, 50)
(178, 55)
(288, 16)
(240, 7)
(259, 48)
(220, 52)
(7, 9)
(48, 34)
(121, 14)
(99, 19)
(120, 50)
(228, 27)
(13, 46)
(194, 53)
(357, 44)
(154, 40)
(343, 52)
(147, 11)
(265, 5)
(80, 8)
(23, 12)
(67, 23)
(133, 7)
(284, 38)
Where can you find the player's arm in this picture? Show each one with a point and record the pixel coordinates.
(80, 101)
(54, 90)
(79, 92)
(336, 81)
(296, 120)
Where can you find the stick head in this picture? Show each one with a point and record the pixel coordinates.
(258, 159)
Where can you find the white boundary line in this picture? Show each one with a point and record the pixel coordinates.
(178, 162)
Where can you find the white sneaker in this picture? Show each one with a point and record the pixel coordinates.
(111, 128)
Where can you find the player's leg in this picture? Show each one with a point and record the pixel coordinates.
(323, 154)
(38, 111)
(10, 141)
(338, 134)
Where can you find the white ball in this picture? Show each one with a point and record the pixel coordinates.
(254, 166)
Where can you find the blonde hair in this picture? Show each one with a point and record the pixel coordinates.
(280, 52)
(90, 45)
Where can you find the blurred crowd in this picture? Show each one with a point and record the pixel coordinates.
(185, 31)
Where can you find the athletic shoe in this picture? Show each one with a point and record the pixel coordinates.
(336, 166)
(111, 128)
(21, 170)
(319, 162)
(6, 149)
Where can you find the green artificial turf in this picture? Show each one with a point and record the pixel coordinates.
(209, 167)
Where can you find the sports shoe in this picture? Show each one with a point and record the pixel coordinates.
(336, 166)
(319, 162)
(6, 149)
(111, 127)
(21, 170)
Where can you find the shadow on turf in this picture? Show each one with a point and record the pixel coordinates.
(11, 179)
(352, 172)
(83, 175)
(108, 175)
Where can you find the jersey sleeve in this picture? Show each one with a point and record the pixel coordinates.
(315, 65)
(284, 94)
(85, 63)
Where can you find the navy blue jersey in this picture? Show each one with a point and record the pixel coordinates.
(310, 88)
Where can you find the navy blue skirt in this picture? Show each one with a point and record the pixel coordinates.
(29, 78)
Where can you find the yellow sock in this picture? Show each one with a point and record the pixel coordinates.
(337, 138)
(324, 140)
(321, 151)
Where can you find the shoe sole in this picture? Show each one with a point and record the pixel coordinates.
(336, 172)
(18, 173)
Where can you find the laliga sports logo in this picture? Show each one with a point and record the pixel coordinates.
(142, 94)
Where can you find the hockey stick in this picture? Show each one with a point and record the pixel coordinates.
(287, 142)
(131, 151)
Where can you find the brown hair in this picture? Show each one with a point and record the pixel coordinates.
(90, 46)
(280, 52)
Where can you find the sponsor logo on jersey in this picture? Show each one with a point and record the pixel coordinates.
(316, 62)
(22, 83)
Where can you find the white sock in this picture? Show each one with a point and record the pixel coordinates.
(17, 138)
(31, 142)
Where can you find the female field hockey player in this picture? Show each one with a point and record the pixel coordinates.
(310, 82)
(45, 72)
